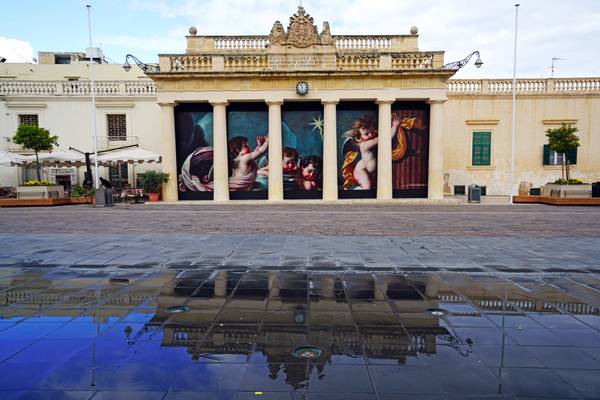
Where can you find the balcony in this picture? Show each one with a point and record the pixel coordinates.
(461, 87)
(106, 143)
(140, 88)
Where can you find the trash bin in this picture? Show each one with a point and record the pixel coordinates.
(104, 197)
(596, 189)
(474, 194)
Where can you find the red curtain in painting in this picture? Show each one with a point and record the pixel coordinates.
(410, 168)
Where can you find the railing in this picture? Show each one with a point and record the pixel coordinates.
(77, 88)
(110, 142)
(412, 61)
(240, 42)
(523, 86)
(358, 61)
(246, 63)
(357, 42)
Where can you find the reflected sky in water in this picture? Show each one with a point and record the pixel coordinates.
(242, 335)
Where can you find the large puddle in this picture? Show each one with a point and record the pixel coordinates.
(280, 335)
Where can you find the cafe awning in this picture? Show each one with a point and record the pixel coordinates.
(8, 159)
(133, 155)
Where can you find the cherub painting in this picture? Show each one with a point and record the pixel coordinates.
(302, 130)
(194, 152)
(359, 167)
(244, 169)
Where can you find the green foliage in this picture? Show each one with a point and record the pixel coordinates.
(80, 191)
(563, 140)
(570, 181)
(35, 138)
(151, 181)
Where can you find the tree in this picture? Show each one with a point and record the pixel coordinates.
(37, 139)
(563, 140)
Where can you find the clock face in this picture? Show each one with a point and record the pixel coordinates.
(302, 88)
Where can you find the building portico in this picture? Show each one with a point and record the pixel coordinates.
(340, 85)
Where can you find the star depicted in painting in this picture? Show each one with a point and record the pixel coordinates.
(317, 124)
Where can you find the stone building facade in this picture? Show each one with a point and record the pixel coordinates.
(305, 114)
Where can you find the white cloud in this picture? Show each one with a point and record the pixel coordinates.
(15, 50)
(547, 28)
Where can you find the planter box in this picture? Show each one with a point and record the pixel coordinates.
(582, 191)
(80, 200)
(40, 192)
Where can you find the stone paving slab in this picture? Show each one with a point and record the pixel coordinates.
(301, 252)
(476, 221)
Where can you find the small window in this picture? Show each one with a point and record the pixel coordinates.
(62, 59)
(482, 142)
(28, 119)
(117, 127)
(551, 157)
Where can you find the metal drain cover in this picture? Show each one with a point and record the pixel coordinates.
(178, 309)
(307, 352)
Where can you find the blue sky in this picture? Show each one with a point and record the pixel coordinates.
(145, 28)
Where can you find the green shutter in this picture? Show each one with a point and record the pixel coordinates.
(482, 142)
(572, 156)
(546, 154)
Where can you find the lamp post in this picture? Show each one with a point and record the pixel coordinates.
(459, 64)
(147, 68)
(514, 109)
(93, 91)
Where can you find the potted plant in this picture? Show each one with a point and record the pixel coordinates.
(82, 195)
(151, 182)
(564, 140)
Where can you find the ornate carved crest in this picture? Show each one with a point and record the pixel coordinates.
(278, 35)
(302, 32)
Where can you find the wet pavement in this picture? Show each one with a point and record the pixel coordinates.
(252, 334)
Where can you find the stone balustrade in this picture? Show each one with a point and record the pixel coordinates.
(239, 42)
(360, 42)
(262, 61)
(523, 86)
(77, 88)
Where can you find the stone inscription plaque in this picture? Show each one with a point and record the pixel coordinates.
(294, 62)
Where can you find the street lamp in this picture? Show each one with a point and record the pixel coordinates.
(144, 67)
(465, 61)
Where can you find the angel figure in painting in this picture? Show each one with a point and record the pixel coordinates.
(309, 178)
(359, 168)
(242, 162)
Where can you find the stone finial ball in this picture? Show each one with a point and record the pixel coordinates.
(414, 30)
(193, 31)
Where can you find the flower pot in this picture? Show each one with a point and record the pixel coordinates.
(153, 197)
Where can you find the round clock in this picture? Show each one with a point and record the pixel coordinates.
(302, 88)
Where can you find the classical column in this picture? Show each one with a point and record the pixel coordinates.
(384, 151)
(169, 151)
(436, 150)
(330, 172)
(221, 284)
(221, 175)
(275, 148)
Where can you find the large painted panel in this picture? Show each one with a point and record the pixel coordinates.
(302, 155)
(410, 149)
(247, 150)
(357, 149)
(194, 141)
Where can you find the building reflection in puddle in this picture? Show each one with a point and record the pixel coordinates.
(301, 331)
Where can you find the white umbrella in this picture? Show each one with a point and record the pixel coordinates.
(57, 157)
(133, 155)
(8, 159)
